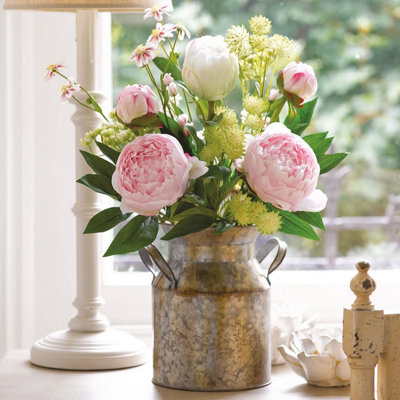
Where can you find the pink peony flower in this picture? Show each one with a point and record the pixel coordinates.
(282, 169)
(142, 55)
(152, 172)
(136, 101)
(160, 8)
(299, 79)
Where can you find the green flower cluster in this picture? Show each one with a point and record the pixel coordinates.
(246, 212)
(259, 54)
(225, 138)
(113, 134)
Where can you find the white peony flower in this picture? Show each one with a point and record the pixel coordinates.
(210, 71)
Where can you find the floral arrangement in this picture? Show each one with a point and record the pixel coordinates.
(177, 154)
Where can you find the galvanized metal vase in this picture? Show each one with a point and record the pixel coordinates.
(211, 305)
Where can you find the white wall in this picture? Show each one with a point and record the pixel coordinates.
(37, 177)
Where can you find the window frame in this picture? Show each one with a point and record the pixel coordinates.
(324, 292)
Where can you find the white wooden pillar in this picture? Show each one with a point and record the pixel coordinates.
(89, 344)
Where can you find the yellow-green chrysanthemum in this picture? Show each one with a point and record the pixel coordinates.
(229, 118)
(260, 25)
(213, 134)
(234, 144)
(253, 104)
(281, 45)
(210, 152)
(267, 222)
(237, 40)
(259, 42)
(255, 122)
(239, 207)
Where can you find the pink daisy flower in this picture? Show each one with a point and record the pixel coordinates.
(142, 55)
(160, 33)
(52, 68)
(158, 10)
(182, 31)
(69, 89)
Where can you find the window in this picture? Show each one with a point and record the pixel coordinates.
(352, 47)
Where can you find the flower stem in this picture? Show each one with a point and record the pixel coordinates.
(159, 93)
(96, 106)
(201, 110)
(83, 104)
(187, 104)
(211, 110)
(165, 50)
(272, 76)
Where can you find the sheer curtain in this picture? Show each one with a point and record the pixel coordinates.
(37, 178)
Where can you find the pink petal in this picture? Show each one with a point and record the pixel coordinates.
(315, 202)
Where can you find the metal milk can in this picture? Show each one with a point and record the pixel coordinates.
(211, 315)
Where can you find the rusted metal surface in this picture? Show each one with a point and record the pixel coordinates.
(211, 322)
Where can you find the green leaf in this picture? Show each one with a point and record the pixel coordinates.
(313, 218)
(195, 211)
(228, 187)
(222, 226)
(162, 62)
(177, 110)
(169, 124)
(294, 225)
(329, 161)
(136, 234)
(318, 142)
(188, 225)
(105, 220)
(215, 121)
(193, 198)
(199, 144)
(108, 152)
(171, 127)
(99, 184)
(220, 172)
(301, 120)
(211, 187)
(98, 164)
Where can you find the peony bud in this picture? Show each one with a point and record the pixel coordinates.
(134, 102)
(210, 70)
(298, 79)
(172, 89)
(167, 79)
(273, 94)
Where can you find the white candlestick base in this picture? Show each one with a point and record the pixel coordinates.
(110, 349)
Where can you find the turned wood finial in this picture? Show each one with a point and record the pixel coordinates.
(363, 286)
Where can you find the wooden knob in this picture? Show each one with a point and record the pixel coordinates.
(363, 286)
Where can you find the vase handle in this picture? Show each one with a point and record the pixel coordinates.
(149, 253)
(280, 255)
